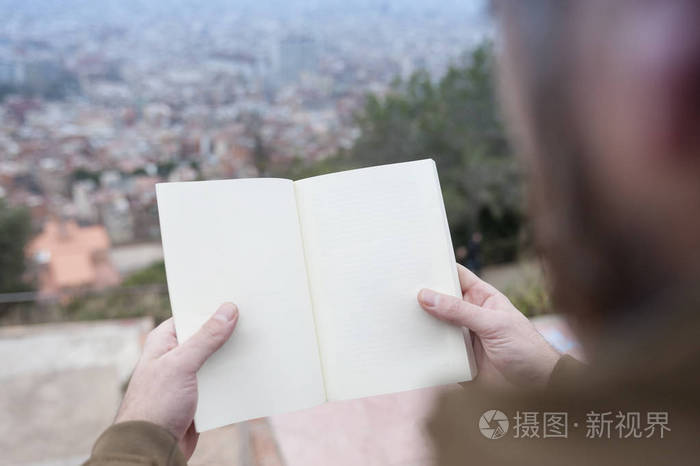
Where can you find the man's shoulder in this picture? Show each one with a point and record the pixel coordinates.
(588, 417)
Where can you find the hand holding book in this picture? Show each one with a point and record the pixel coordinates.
(163, 387)
(507, 347)
(326, 271)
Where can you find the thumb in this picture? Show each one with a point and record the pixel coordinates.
(455, 311)
(213, 334)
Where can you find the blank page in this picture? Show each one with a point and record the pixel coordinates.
(373, 238)
(239, 241)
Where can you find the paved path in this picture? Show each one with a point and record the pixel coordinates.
(61, 386)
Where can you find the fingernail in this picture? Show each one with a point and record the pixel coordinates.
(226, 312)
(428, 298)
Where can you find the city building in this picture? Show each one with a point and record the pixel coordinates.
(70, 258)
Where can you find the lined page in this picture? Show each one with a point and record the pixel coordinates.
(373, 238)
(239, 241)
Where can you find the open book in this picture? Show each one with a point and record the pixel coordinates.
(325, 272)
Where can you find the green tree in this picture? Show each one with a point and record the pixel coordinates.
(154, 274)
(456, 122)
(15, 230)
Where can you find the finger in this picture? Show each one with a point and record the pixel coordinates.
(160, 340)
(467, 278)
(455, 310)
(474, 288)
(213, 334)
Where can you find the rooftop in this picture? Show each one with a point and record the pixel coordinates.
(74, 256)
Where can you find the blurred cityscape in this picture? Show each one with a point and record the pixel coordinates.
(101, 100)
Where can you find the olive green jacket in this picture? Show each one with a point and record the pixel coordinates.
(638, 402)
(136, 443)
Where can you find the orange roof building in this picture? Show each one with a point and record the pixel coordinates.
(71, 257)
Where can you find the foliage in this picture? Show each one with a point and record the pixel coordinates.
(530, 297)
(524, 284)
(154, 274)
(119, 303)
(15, 230)
(82, 174)
(456, 122)
(143, 293)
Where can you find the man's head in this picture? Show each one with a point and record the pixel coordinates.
(603, 101)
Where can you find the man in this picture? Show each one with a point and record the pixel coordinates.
(603, 103)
